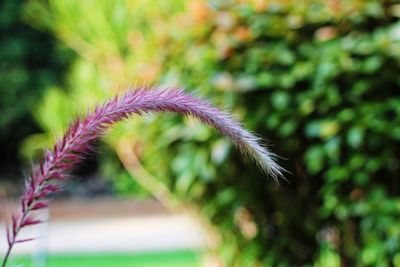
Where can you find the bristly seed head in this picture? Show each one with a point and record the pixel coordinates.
(47, 176)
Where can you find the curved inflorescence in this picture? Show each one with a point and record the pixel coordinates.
(47, 176)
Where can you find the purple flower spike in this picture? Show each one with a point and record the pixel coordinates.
(47, 176)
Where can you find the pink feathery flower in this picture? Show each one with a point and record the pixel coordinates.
(47, 176)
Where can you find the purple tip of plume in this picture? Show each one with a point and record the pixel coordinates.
(176, 100)
(47, 176)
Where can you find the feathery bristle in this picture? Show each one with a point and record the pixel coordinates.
(75, 144)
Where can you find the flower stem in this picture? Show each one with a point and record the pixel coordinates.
(7, 255)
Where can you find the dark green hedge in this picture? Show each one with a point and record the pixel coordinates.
(320, 80)
(29, 62)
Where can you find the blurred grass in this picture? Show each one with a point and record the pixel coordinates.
(165, 259)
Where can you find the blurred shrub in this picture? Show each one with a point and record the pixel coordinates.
(29, 62)
(115, 53)
(317, 78)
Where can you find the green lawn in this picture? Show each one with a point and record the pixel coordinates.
(167, 259)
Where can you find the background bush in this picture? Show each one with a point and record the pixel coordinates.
(30, 62)
(319, 79)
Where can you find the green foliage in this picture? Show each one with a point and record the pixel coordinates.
(319, 79)
(29, 62)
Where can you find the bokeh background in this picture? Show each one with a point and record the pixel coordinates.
(318, 79)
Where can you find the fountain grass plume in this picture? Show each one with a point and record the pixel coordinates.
(48, 176)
